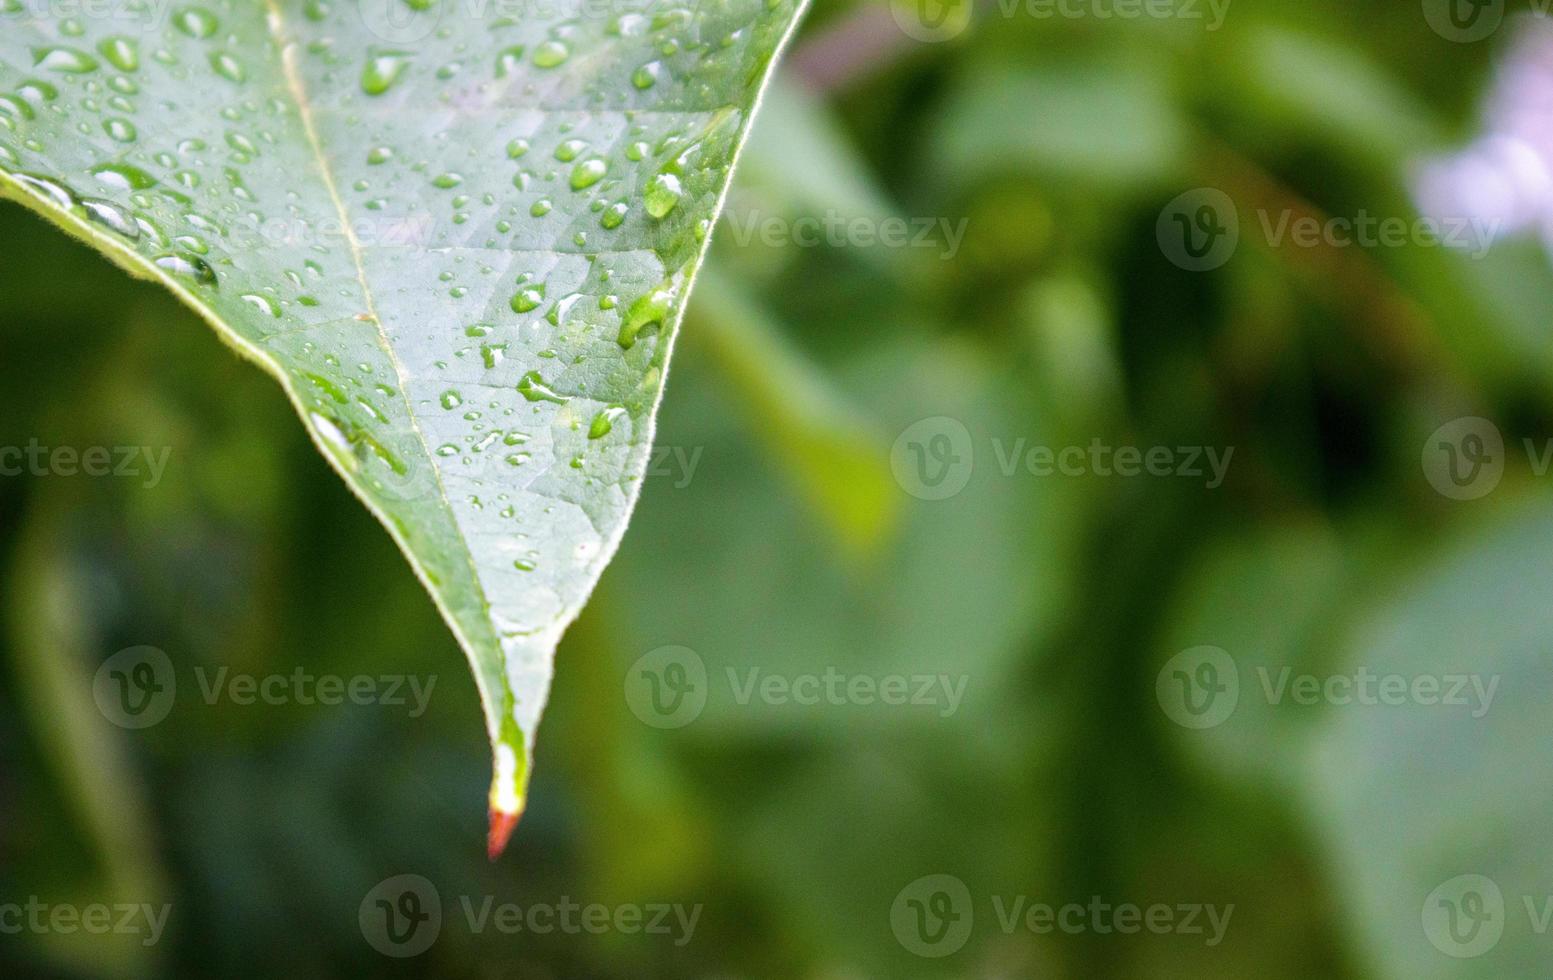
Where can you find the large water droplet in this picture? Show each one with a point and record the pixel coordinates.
(551, 53)
(186, 267)
(662, 195)
(532, 387)
(63, 59)
(122, 53)
(588, 173)
(196, 22)
(382, 70)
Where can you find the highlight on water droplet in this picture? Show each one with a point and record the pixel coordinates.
(526, 300)
(604, 421)
(587, 173)
(662, 195)
(188, 267)
(196, 22)
(532, 387)
(261, 303)
(63, 59)
(551, 53)
(382, 70)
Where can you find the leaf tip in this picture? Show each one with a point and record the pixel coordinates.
(502, 825)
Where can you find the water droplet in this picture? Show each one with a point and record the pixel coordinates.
(121, 52)
(196, 22)
(451, 399)
(604, 421)
(550, 54)
(123, 176)
(111, 216)
(646, 76)
(509, 61)
(516, 149)
(614, 215)
(532, 387)
(63, 59)
(261, 303)
(447, 180)
(540, 208)
(57, 193)
(380, 154)
(568, 150)
(186, 267)
(662, 195)
(382, 70)
(588, 173)
(647, 311)
(523, 565)
(528, 299)
(228, 67)
(119, 130)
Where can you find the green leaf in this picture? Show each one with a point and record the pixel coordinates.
(462, 242)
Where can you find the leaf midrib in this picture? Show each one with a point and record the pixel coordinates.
(275, 23)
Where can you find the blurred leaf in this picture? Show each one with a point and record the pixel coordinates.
(828, 450)
(1411, 795)
(392, 349)
(1104, 122)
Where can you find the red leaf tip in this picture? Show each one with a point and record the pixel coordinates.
(502, 825)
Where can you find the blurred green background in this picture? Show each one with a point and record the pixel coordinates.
(794, 548)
